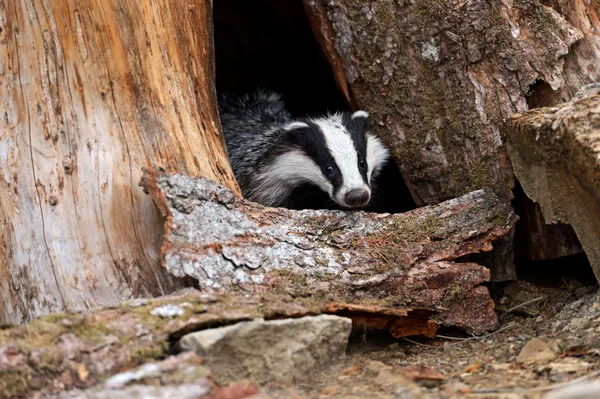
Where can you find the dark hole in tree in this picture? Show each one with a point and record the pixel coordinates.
(541, 95)
(269, 44)
(547, 254)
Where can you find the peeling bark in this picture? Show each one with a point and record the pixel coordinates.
(405, 260)
(89, 94)
(556, 156)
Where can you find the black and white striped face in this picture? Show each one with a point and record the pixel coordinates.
(335, 153)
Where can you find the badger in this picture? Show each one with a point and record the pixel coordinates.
(280, 161)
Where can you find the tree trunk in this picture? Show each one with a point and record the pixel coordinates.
(440, 76)
(90, 93)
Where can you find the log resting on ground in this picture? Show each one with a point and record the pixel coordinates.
(555, 154)
(400, 272)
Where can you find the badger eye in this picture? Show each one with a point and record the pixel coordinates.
(329, 169)
(362, 163)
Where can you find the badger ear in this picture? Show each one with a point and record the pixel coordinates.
(295, 132)
(294, 126)
(360, 114)
(360, 120)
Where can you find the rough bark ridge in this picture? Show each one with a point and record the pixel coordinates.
(568, 190)
(582, 64)
(439, 76)
(90, 92)
(404, 260)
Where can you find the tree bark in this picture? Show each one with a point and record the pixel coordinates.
(90, 93)
(357, 258)
(440, 76)
(556, 157)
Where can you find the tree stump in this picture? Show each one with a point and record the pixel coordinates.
(439, 77)
(89, 94)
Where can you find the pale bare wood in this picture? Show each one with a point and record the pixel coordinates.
(91, 92)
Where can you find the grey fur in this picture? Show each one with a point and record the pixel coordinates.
(251, 124)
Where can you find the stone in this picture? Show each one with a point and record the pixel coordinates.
(536, 351)
(579, 323)
(583, 390)
(278, 351)
(168, 311)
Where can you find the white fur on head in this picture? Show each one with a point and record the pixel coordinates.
(288, 170)
(377, 155)
(360, 114)
(294, 125)
(342, 149)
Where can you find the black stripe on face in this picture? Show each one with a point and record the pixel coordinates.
(357, 128)
(311, 141)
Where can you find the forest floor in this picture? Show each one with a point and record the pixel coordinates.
(548, 338)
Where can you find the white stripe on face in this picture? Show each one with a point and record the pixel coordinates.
(377, 155)
(342, 150)
(289, 169)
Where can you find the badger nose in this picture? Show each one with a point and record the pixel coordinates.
(357, 197)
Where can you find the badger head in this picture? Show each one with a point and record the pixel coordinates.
(336, 153)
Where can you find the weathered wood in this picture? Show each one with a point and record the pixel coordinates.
(90, 92)
(439, 76)
(555, 154)
(581, 66)
(535, 239)
(405, 260)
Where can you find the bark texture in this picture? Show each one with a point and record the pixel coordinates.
(581, 66)
(535, 239)
(404, 262)
(89, 94)
(556, 156)
(439, 76)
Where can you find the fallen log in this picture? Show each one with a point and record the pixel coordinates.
(401, 272)
(555, 154)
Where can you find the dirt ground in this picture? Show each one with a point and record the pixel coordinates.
(560, 327)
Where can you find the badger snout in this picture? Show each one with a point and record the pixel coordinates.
(357, 197)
